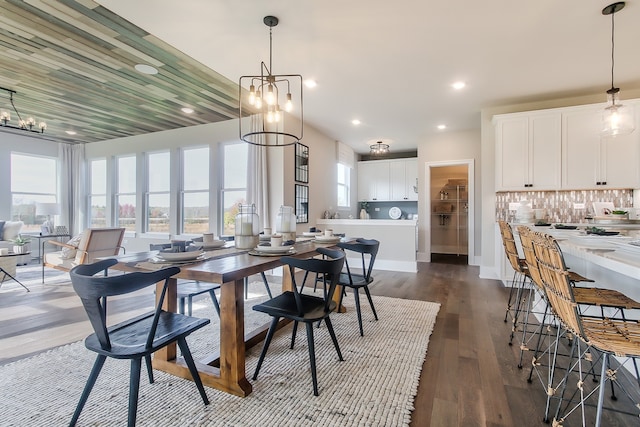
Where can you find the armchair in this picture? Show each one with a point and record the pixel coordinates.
(94, 243)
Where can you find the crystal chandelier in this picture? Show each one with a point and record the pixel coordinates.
(268, 95)
(379, 148)
(616, 119)
(28, 125)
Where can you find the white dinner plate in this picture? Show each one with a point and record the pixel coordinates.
(273, 249)
(395, 213)
(312, 233)
(179, 256)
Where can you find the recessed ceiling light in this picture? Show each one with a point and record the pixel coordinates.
(187, 110)
(442, 127)
(458, 85)
(310, 83)
(355, 122)
(70, 132)
(146, 69)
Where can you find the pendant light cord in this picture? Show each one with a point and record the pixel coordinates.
(612, 47)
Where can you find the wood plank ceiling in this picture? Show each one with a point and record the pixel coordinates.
(72, 66)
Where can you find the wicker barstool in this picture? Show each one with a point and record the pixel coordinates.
(521, 282)
(585, 296)
(604, 335)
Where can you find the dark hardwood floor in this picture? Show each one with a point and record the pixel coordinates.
(470, 376)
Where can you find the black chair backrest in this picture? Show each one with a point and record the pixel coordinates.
(363, 246)
(93, 291)
(329, 268)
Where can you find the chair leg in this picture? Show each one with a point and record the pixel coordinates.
(181, 305)
(95, 371)
(147, 360)
(356, 296)
(190, 304)
(134, 388)
(332, 333)
(266, 284)
(366, 291)
(214, 299)
(188, 358)
(265, 347)
(603, 373)
(293, 334)
(312, 357)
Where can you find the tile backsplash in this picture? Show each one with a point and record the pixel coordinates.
(559, 205)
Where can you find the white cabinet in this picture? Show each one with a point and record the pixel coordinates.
(593, 162)
(373, 181)
(561, 149)
(403, 175)
(528, 150)
(388, 180)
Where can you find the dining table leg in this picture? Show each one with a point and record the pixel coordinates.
(230, 375)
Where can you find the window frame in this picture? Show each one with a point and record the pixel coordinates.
(37, 197)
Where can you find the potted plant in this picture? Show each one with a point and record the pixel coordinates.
(20, 244)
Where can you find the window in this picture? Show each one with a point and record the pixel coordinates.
(126, 193)
(34, 180)
(98, 193)
(195, 190)
(234, 183)
(158, 192)
(344, 186)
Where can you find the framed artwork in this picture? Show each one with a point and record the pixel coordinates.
(302, 163)
(302, 204)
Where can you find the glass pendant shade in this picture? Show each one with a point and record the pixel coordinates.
(617, 118)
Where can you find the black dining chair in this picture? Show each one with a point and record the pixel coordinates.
(360, 278)
(132, 339)
(305, 308)
(188, 289)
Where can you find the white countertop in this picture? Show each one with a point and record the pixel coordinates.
(372, 222)
(610, 252)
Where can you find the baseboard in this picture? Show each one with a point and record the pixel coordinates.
(388, 265)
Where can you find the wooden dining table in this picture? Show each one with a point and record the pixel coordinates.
(225, 370)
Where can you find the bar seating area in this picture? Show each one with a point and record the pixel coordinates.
(577, 352)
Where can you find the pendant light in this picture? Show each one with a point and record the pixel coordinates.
(379, 148)
(269, 95)
(617, 119)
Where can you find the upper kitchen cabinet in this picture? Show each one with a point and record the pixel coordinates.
(373, 181)
(528, 150)
(403, 175)
(590, 161)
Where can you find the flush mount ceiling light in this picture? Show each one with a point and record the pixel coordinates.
(268, 93)
(28, 124)
(187, 110)
(146, 69)
(617, 119)
(379, 148)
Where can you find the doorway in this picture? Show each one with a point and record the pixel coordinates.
(450, 207)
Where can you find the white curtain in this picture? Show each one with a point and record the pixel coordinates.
(257, 179)
(72, 186)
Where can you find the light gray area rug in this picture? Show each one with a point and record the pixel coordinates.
(374, 386)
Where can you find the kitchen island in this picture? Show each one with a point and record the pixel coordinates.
(398, 239)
